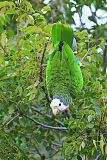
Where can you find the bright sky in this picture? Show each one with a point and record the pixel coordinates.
(86, 13)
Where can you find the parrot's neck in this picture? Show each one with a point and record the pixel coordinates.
(66, 99)
(60, 45)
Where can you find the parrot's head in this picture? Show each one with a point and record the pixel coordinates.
(58, 105)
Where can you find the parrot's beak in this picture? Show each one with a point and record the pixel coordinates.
(65, 108)
(55, 111)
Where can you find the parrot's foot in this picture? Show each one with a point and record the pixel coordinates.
(68, 113)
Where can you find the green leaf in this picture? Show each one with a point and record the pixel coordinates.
(3, 39)
(36, 83)
(29, 6)
(97, 109)
(90, 117)
(6, 3)
(94, 142)
(106, 149)
(102, 144)
(46, 9)
(48, 29)
(90, 125)
(83, 144)
(21, 17)
(32, 96)
(30, 20)
(10, 11)
(34, 29)
(105, 119)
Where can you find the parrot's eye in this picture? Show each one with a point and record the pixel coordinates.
(59, 104)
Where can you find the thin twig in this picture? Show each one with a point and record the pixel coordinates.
(99, 127)
(44, 125)
(42, 60)
(41, 74)
(82, 24)
(11, 120)
(52, 155)
(43, 65)
(98, 156)
(56, 144)
(87, 53)
(42, 156)
(94, 16)
(105, 59)
(47, 116)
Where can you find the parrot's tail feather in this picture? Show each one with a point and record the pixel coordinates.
(61, 32)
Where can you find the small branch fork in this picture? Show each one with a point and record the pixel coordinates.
(87, 53)
(20, 114)
(11, 120)
(44, 125)
(47, 116)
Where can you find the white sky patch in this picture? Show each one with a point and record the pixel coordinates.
(77, 19)
(86, 12)
(74, 27)
(92, 7)
(102, 21)
(102, 16)
(88, 24)
(73, 1)
(46, 1)
(73, 9)
(100, 50)
(101, 13)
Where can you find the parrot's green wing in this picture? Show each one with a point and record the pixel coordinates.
(63, 73)
(61, 32)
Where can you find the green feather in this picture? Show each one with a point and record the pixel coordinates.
(62, 32)
(63, 73)
(63, 76)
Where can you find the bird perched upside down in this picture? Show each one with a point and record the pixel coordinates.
(64, 79)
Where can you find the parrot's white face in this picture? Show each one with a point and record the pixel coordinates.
(57, 106)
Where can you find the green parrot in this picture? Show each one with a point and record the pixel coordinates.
(64, 80)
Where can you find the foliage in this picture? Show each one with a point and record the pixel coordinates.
(24, 33)
(66, 10)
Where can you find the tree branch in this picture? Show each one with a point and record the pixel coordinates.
(41, 74)
(42, 60)
(11, 120)
(87, 53)
(94, 16)
(42, 156)
(98, 156)
(56, 144)
(47, 116)
(105, 59)
(43, 65)
(44, 125)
